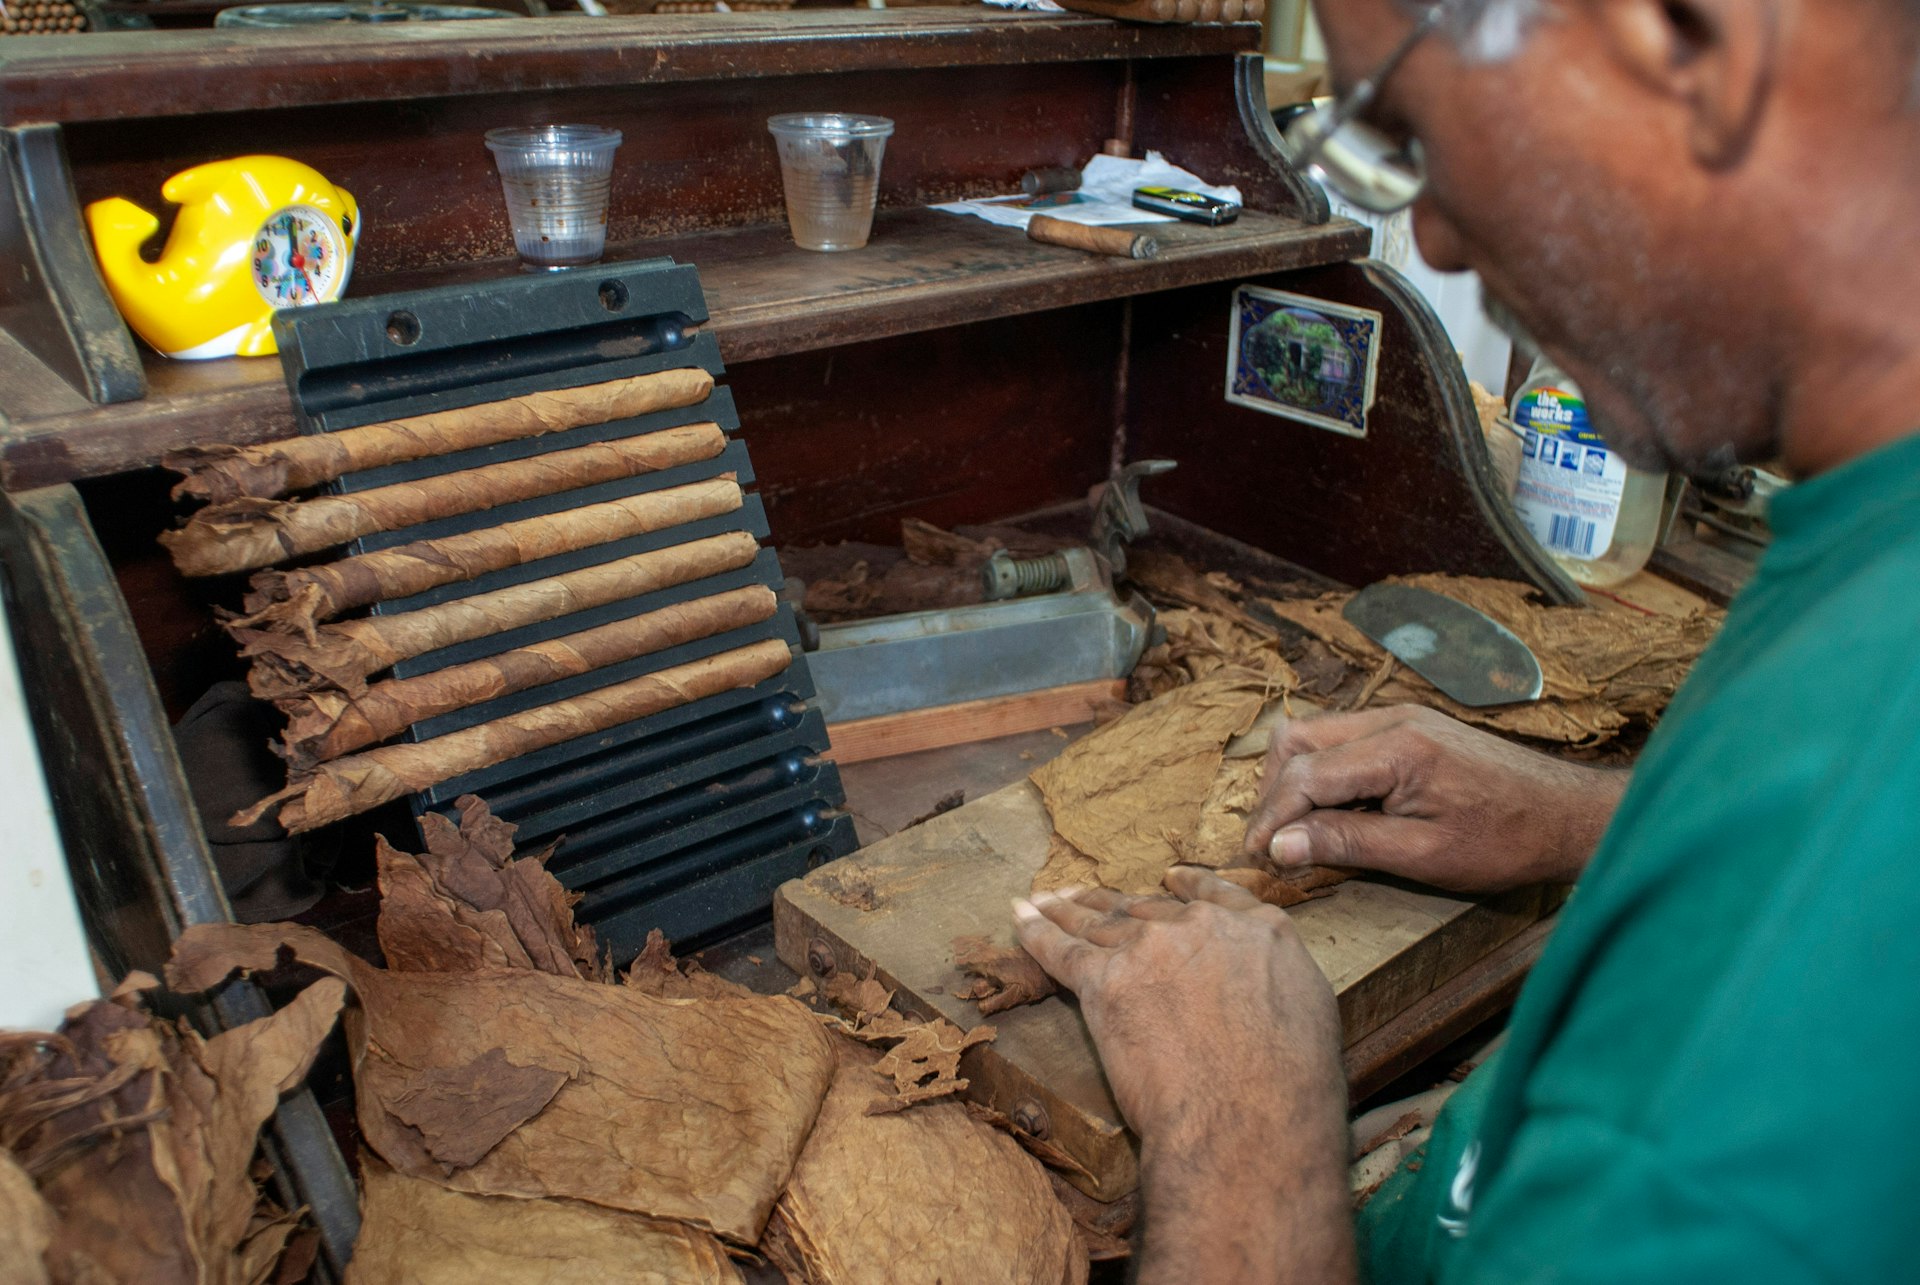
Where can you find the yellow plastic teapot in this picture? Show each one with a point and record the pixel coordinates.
(254, 234)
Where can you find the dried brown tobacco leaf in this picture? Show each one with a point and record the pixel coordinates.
(1104, 1225)
(690, 1110)
(343, 654)
(26, 1225)
(1169, 576)
(324, 725)
(362, 781)
(1203, 644)
(1003, 976)
(141, 1138)
(420, 1233)
(515, 902)
(874, 1200)
(860, 998)
(293, 602)
(463, 1112)
(1288, 889)
(1601, 671)
(656, 972)
(1128, 796)
(931, 546)
(924, 1061)
(221, 473)
(246, 533)
(1065, 867)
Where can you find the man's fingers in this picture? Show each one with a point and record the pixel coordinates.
(1068, 960)
(1109, 902)
(1367, 840)
(1346, 773)
(1104, 900)
(1071, 912)
(1197, 883)
(1324, 731)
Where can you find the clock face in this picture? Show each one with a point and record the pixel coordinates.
(298, 257)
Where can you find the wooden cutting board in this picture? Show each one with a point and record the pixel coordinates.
(897, 905)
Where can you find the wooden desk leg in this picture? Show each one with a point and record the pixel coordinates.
(1478, 993)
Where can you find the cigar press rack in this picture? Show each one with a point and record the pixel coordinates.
(686, 820)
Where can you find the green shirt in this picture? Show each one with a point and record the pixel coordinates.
(1712, 1072)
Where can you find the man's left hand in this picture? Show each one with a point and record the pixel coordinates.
(1221, 1042)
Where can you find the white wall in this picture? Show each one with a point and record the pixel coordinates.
(44, 964)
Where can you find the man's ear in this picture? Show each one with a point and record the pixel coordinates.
(1715, 57)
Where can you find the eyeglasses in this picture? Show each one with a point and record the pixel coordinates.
(1359, 162)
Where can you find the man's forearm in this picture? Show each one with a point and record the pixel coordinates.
(1249, 1191)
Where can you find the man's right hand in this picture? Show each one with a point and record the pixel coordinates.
(1460, 809)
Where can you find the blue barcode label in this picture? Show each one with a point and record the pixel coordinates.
(1572, 535)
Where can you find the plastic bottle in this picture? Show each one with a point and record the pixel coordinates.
(1594, 516)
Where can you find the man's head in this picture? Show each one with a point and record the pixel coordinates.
(1689, 204)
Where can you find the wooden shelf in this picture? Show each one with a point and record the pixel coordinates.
(124, 75)
(924, 270)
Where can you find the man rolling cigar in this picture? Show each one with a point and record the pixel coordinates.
(1702, 210)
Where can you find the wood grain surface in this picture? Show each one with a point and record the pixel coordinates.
(896, 906)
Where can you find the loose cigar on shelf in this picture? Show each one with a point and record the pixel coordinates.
(343, 654)
(325, 725)
(1117, 242)
(244, 534)
(296, 601)
(363, 781)
(271, 469)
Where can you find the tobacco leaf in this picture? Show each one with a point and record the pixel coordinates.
(358, 782)
(680, 1109)
(1127, 797)
(655, 972)
(1202, 643)
(26, 1225)
(463, 1112)
(422, 1233)
(295, 602)
(861, 998)
(931, 546)
(341, 656)
(1601, 671)
(467, 904)
(929, 1195)
(324, 725)
(1104, 1225)
(222, 472)
(141, 1138)
(1287, 889)
(924, 1060)
(1003, 976)
(246, 533)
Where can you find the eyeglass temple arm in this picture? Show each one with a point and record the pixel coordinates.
(1361, 96)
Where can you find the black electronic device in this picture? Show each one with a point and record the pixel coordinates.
(1193, 207)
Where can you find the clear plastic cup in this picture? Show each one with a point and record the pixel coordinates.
(556, 179)
(830, 165)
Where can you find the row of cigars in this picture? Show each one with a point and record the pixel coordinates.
(321, 667)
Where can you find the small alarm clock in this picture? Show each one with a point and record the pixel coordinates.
(253, 235)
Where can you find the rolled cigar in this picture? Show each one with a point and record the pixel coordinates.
(222, 473)
(346, 652)
(324, 725)
(1118, 242)
(360, 782)
(295, 601)
(248, 533)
